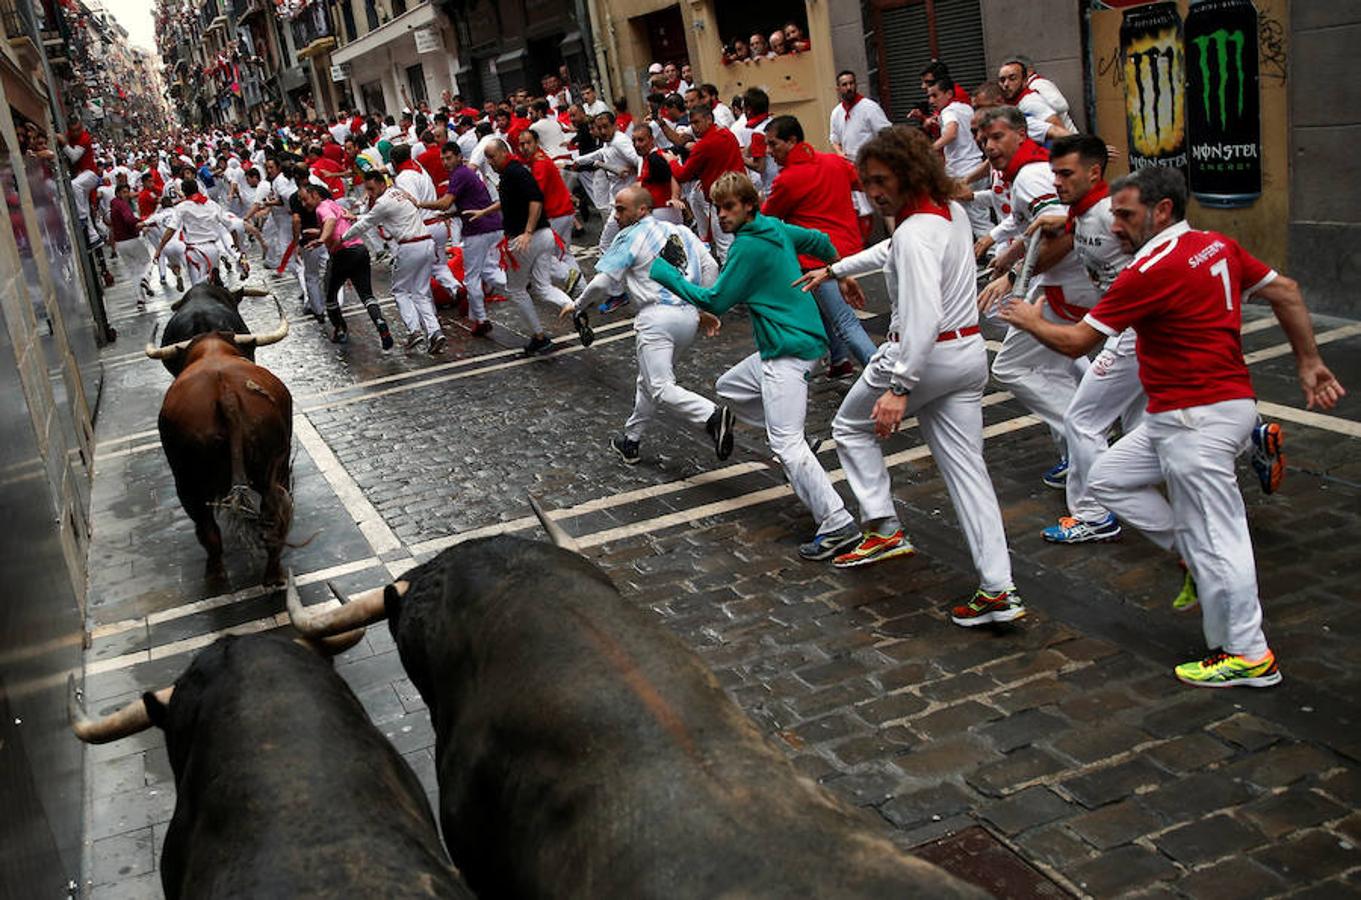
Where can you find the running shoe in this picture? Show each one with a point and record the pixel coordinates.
(613, 303)
(985, 607)
(573, 279)
(437, 343)
(627, 450)
(1221, 670)
(542, 344)
(720, 427)
(1057, 477)
(829, 543)
(482, 329)
(1075, 531)
(340, 335)
(843, 369)
(1187, 598)
(413, 340)
(583, 326)
(1266, 457)
(874, 547)
(384, 334)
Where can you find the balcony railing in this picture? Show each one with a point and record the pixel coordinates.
(18, 19)
(312, 31)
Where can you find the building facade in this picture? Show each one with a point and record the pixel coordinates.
(394, 55)
(513, 44)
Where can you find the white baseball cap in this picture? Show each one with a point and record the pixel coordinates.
(654, 69)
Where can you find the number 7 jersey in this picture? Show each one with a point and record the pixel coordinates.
(1183, 294)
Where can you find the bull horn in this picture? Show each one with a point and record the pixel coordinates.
(556, 534)
(353, 613)
(332, 645)
(169, 350)
(121, 723)
(271, 337)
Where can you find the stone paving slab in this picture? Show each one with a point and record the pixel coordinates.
(1064, 735)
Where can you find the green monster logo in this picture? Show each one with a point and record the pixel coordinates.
(1221, 40)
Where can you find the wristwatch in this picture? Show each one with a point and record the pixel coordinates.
(898, 390)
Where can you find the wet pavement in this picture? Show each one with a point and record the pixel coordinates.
(1061, 747)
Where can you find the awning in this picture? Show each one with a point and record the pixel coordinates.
(398, 29)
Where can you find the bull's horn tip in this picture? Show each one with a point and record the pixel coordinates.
(338, 593)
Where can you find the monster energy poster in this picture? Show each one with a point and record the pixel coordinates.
(1155, 77)
(1223, 104)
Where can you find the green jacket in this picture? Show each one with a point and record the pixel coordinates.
(762, 265)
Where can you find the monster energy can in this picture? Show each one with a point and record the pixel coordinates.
(1223, 106)
(1155, 76)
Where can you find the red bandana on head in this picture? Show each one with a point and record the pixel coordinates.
(1027, 153)
(1099, 191)
(922, 204)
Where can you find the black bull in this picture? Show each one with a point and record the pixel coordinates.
(582, 750)
(283, 786)
(203, 308)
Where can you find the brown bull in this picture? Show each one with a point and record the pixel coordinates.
(226, 427)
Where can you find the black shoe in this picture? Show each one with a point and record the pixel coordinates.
(482, 329)
(385, 334)
(583, 328)
(340, 335)
(720, 427)
(627, 450)
(437, 343)
(538, 345)
(413, 340)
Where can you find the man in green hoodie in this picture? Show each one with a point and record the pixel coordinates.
(770, 388)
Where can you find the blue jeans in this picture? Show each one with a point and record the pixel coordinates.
(844, 331)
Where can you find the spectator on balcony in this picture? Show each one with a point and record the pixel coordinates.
(760, 47)
(794, 38)
(737, 51)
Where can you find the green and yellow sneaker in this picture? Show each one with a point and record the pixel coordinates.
(1220, 670)
(1187, 598)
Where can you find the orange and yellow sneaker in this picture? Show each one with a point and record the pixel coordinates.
(985, 607)
(1220, 670)
(874, 547)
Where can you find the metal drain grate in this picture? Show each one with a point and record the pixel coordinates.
(977, 857)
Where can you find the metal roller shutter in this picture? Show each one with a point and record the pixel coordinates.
(959, 40)
(907, 48)
(905, 36)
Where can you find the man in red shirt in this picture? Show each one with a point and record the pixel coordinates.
(78, 147)
(1182, 294)
(431, 157)
(327, 169)
(557, 206)
(714, 152)
(814, 190)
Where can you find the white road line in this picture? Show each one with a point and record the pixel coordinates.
(371, 524)
(1308, 417)
(1323, 337)
(198, 606)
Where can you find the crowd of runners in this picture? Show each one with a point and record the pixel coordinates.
(1122, 320)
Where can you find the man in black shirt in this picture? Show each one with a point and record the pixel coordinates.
(305, 229)
(529, 246)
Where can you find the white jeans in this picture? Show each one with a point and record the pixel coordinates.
(411, 286)
(1192, 451)
(137, 258)
(1043, 380)
(530, 275)
(313, 267)
(721, 240)
(661, 333)
(481, 262)
(201, 259)
(563, 261)
(1109, 390)
(773, 393)
(948, 404)
(81, 185)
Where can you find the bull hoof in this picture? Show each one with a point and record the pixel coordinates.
(215, 571)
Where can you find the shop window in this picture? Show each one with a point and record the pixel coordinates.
(415, 79)
(761, 29)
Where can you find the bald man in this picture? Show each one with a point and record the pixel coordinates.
(665, 324)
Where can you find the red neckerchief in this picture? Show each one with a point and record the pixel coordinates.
(848, 105)
(802, 152)
(197, 198)
(1027, 153)
(923, 204)
(757, 120)
(962, 95)
(409, 166)
(1024, 91)
(1094, 196)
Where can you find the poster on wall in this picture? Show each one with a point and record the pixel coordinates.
(1155, 86)
(1223, 101)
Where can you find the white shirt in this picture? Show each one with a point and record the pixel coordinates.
(852, 130)
(1035, 107)
(1027, 198)
(340, 131)
(200, 223)
(478, 160)
(418, 184)
(617, 159)
(283, 188)
(625, 267)
(1096, 246)
(930, 272)
(961, 154)
(551, 136)
(394, 212)
(596, 108)
(1054, 97)
(723, 115)
(467, 141)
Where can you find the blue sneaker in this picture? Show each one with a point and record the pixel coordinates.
(1267, 460)
(830, 543)
(1075, 531)
(613, 303)
(1057, 477)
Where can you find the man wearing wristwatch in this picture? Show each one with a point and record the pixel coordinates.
(934, 366)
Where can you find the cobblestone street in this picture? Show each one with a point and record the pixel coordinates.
(1061, 741)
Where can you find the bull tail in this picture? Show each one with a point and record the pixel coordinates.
(241, 500)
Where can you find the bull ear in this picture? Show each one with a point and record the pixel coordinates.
(156, 711)
(392, 605)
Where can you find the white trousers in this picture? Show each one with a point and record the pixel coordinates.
(1192, 451)
(481, 262)
(151, 243)
(1043, 380)
(721, 241)
(313, 272)
(81, 185)
(411, 286)
(773, 393)
(563, 261)
(440, 235)
(530, 275)
(1109, 390)
(136, 258)
(607, 232)
(662, 332)
(201, 260)
(948, 405)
